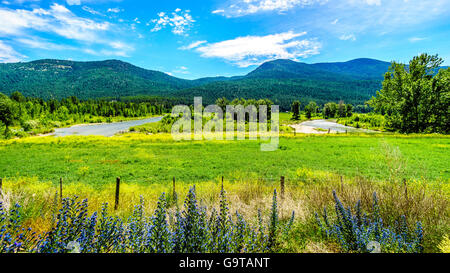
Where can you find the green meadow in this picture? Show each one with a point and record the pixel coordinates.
(156, 159)
(410, 175)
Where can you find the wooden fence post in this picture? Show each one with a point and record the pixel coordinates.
(116, 204)
(1, 185)
(406, 189)
(329, 130)
(60, 189)
(222, 182)
(174, 192)
(282, 187)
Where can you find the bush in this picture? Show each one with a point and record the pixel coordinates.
(357, 232)
(30, 125)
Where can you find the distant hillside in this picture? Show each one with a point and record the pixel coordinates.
(111, 78)
(284, 81)
(355, 69)
(358, 68)
(284, 91)
(281, 80)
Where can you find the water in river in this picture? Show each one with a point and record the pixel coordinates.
(308, 126)
(103, 129)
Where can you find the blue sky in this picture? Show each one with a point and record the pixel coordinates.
(198, 38)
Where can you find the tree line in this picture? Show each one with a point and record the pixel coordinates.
(29, 113)
(329, 110)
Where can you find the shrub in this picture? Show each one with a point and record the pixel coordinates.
(31, 125)
(355, 231)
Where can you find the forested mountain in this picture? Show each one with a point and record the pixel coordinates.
(58, 79)
(359, 68)
(284, 91)
(281, 81)
(284, 81)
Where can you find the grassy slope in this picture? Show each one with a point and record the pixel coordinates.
(156, 159)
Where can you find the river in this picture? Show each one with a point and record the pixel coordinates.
(102, 129)
(311, 126)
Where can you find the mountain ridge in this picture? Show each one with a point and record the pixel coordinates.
(281, 80)
(116, 63)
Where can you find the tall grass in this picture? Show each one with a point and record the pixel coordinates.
(306, 194)
(192, 229)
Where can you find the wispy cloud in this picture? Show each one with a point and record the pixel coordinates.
(92, 11)
(254, 50)
(193, 45)
(416, 39)
(346, 37)
(121, 46)
(384, 15)
(58, 19)
(73, 2)
(114, 10)
(25, 26)
(181, 70)
(35, 42)
(218, 11)
(246, 7)
(375, 2)
(106, 52)
(179, 21)
(8, 54)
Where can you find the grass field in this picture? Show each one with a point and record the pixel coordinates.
(156, 159)
(314, 166)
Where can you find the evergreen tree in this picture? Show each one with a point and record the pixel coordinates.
(295, 108)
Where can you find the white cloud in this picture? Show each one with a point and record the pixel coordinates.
(121, 46)
(192, 45)
(335, 22)
(106, 52)
(416, 39)
(358, 16)
(181, 70)
(8, 54)
(35, 42)
(58, 19)
(179, 22)
(73, 2)
(346, 37)
(254, 50)
(374, 2)
(92, 11)
(25, 27)
(246, 7)
(114, 10)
